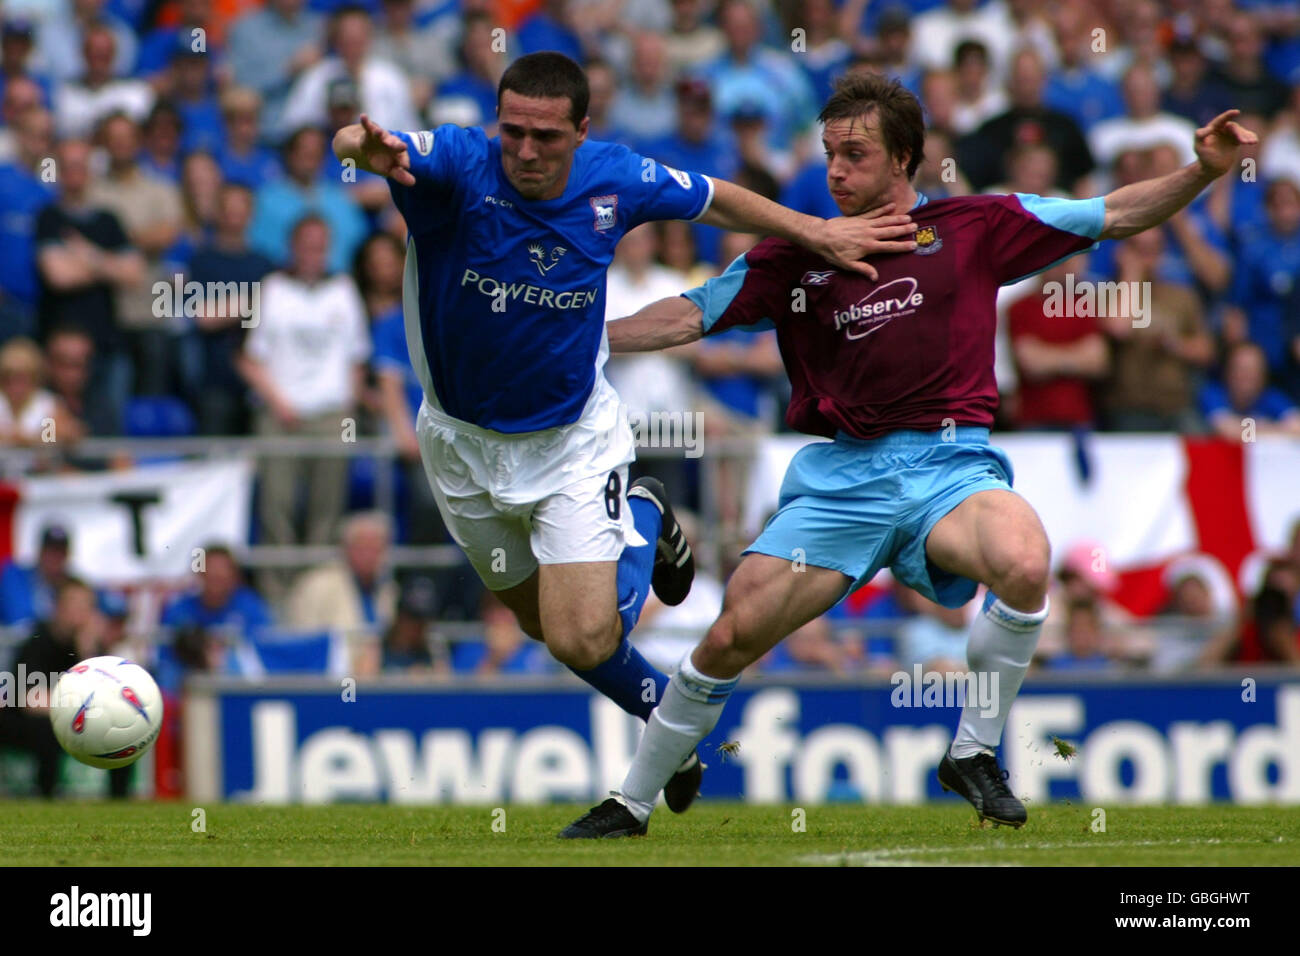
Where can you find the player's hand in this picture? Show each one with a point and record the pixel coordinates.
(847, 240)
(1218, 142)
(408, 446)
(286, 416)
(385, 153)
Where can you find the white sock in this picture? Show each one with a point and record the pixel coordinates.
(687, 714)
(1001, 645)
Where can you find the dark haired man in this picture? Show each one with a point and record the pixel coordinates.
(522, 437)
(73, 630)
(899, 372)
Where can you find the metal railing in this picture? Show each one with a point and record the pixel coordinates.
(382, 451)
(1130, 645)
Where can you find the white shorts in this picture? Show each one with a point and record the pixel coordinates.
(512, 502)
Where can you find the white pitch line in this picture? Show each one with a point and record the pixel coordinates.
(897, 855)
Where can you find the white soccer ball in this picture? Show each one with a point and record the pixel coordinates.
(106, 711)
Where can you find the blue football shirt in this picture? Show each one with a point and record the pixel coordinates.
(504, 296)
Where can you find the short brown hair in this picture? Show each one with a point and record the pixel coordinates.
(902, 125)
(548, 75)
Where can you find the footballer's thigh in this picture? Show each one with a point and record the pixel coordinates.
(522, 599)
(578, 535)
(996, 538)
(767, 599)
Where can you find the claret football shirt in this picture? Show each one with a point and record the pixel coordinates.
(913, 350)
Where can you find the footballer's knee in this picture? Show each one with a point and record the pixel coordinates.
(583, 645)
(725, 652)
(1022, 576)
(531, 625)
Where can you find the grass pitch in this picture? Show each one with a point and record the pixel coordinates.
(711, 834)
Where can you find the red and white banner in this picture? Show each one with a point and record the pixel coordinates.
(130, 526)
(1143, 499)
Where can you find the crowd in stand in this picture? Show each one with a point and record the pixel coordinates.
(146, 145)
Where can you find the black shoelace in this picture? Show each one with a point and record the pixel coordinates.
(997, 776)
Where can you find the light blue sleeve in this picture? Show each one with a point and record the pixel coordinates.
(1023, 246)
(1083, 217)
(717, 295)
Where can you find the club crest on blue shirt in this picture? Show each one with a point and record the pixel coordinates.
(606, 210)
(927, 241)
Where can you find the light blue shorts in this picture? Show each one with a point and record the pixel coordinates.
(856, 506)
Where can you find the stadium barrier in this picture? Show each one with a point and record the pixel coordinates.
(1228, 737)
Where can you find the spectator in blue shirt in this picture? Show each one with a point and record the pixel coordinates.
(194, 30)
(22, 196)
(160, 137)
(281, 204)
(469, 96)
(367, 190)
(1197, 251)
(243, 159)
(222, 601)
(602, 83)
(700, 145)
(549, 29)
(812, 648)
(1076, 87)
(378, 271)
(1245, 394)
(1190, 94)
(504, 648)
(873, 618)
(1243, 76)
(16, 41)
(1268, 267)
(645, 105)
(269, 48)
(751, 72)
(221, 396)
(738, 369)
(1084, 639)
(825, 56)
(194, 95)
(27, 592)
(399, 389)
(806, 191)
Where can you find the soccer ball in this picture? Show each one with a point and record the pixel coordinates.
(106, 712)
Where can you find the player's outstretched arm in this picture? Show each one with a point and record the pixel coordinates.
(660, 325)
(375, 150)
(1139, 206)
(841, 242)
